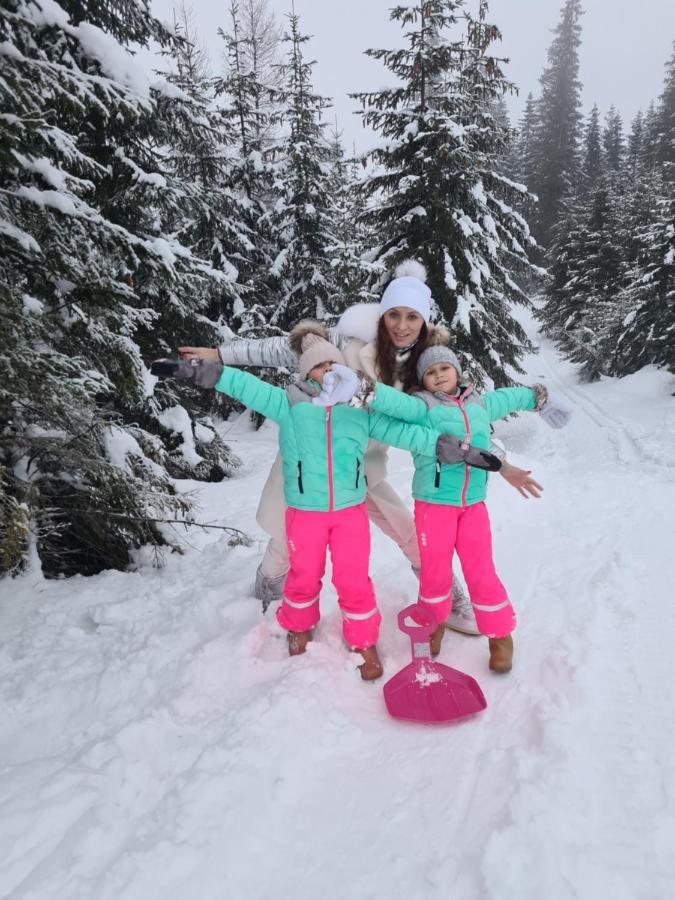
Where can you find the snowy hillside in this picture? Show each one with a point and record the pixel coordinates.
(157, 742)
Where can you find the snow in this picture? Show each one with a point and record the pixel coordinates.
(176, 419)
(22, 238)
(157, 741)
(32, 306)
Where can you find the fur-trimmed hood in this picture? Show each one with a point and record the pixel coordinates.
(303, 328)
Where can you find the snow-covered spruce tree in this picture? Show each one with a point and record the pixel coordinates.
(558, 122)
(600, 276)
(302, 276)
(592, 158)
(613, 143)
(634, 149)
(436, 195)
(89, 273)
(647, 332)
(246, 103)
(520, 158)
(352, 272)
(261, 37)
(565, 300)
(665, 118)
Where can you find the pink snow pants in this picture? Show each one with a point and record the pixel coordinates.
(347, 533)
(441, 530)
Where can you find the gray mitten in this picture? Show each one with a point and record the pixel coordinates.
(204, 374)
(451, 450)
(555, 412)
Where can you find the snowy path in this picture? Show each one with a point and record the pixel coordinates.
(157, 742)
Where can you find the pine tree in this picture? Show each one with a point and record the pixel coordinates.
(665, 150)
(613, 142)
(246, 104)
(521, 165)
(634, 150)
(352, 273)
(301, 271)
(593, 163)
(647, 332)
(91, 272)
(558, 121)
(436, 194)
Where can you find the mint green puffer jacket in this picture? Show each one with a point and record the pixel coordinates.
(322, 449)
(468, 417)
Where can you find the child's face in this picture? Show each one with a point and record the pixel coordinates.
(441, 377)
(317, 373)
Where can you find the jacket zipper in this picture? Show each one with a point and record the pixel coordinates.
(300, 478)
(438, 474)
(329, 457)
(467, 439)
(358, 472)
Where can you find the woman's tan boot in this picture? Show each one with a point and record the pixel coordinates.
(436, 638)
(501, 653)
(297, 642)
(371, 669)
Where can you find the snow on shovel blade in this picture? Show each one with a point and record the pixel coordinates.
(426, 691)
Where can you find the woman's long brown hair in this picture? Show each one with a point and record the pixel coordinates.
(385, 358)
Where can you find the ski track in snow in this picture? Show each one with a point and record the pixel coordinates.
(157, 741)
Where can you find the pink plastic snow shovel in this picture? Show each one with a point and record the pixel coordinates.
(427, 691)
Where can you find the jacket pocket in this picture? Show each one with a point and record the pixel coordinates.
(437, 479)
(300, 478)
(358, 472)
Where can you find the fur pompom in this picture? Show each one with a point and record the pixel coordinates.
(411, 268)
(360, 321)
(438, 334)
(303, 328)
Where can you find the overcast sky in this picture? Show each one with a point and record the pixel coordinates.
(625, 45)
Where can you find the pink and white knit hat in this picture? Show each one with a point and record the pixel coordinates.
(316, 350)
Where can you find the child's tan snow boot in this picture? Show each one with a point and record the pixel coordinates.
(501, 653)
(436, 638)
(297, 642)
(371, 668)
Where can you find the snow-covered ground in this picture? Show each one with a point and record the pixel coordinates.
(157, 742)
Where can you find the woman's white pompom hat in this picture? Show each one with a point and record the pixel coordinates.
(408, 288)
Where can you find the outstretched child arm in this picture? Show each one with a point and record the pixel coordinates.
(503, 401)
(396, 433)
(391, 402)
(266, 399)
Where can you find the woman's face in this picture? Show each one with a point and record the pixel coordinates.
(403, 325)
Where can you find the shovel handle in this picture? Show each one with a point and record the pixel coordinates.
(425, 624)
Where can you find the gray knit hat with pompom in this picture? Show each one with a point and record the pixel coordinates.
(439, 353)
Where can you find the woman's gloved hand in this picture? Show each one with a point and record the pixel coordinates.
(204, 374)
(339, 386)
(555, 412)
(451, 450)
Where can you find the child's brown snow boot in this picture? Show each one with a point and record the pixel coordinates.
(436, 638)
(501, 653)
(371, 668)
(297, 642)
